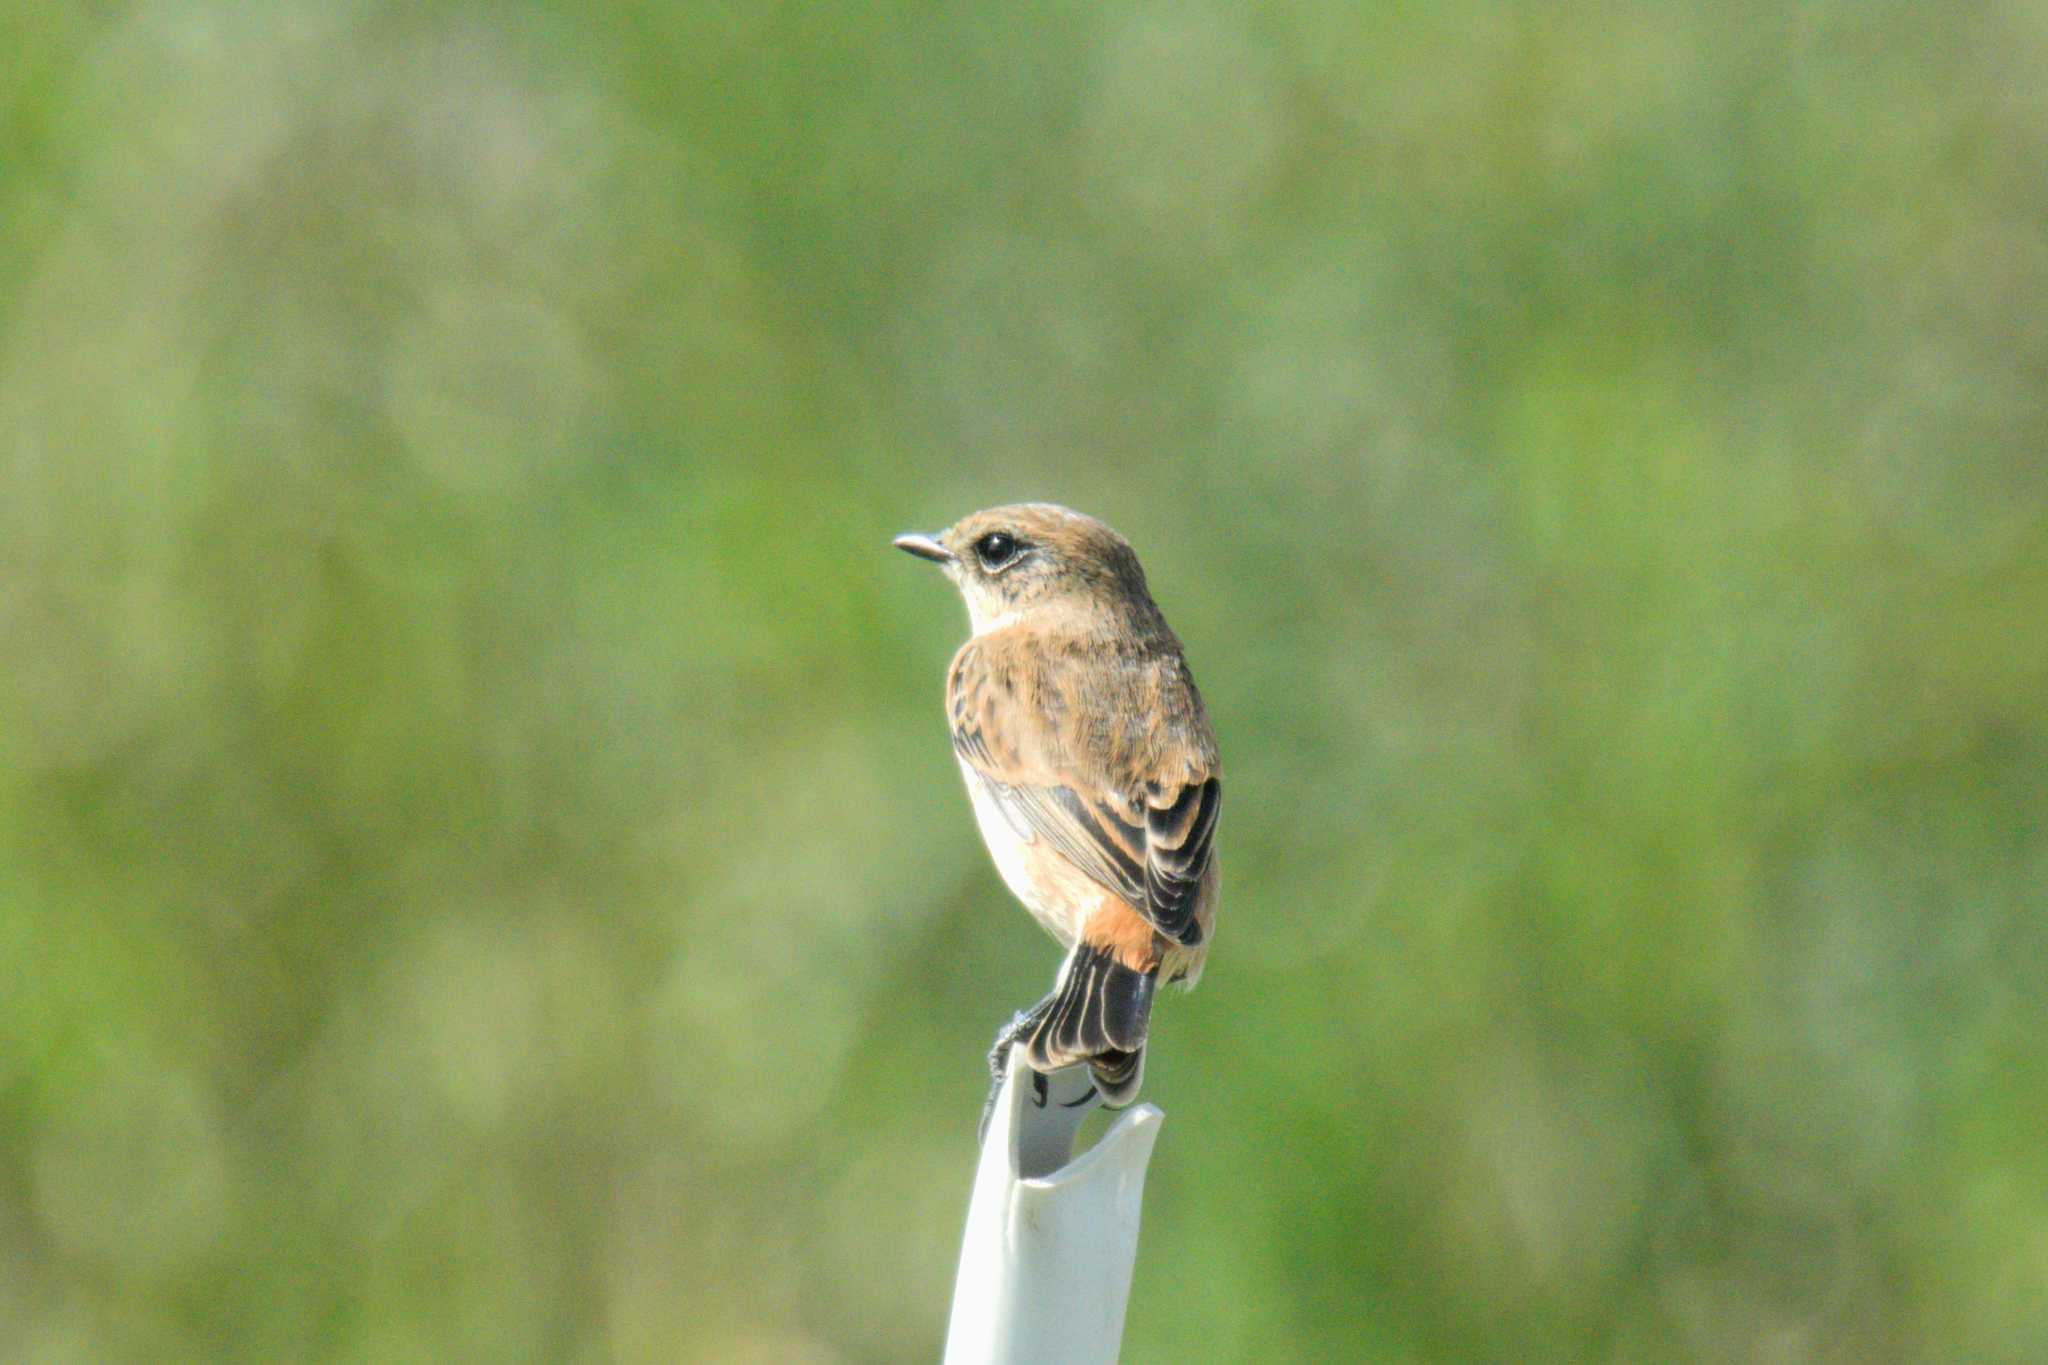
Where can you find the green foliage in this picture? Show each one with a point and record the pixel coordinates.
(481, 873)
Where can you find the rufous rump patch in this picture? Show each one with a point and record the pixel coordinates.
(1119, 928)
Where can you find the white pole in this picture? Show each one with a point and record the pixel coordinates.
(1045, 1269)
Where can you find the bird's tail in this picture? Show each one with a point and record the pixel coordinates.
(1099, 1015)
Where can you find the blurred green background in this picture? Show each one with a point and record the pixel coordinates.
(481, 871)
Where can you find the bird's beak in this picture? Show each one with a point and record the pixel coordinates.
(924, 547)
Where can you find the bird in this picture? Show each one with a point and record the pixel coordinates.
(1093, 771)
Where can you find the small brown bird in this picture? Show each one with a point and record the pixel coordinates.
(1093, 772)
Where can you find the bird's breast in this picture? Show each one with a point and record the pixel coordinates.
(1060, 896)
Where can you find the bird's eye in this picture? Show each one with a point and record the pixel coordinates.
(996, 549)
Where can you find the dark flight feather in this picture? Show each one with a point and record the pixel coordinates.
(1099, 1014)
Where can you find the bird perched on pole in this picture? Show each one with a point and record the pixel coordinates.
(1093, 772)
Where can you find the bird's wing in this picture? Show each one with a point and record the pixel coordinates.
(1180, 839)
(1151, 844)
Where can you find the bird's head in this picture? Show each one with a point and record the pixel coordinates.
(1036, 556)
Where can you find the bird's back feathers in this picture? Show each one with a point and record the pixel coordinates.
(1103, 752)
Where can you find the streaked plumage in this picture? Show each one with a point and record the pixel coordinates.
(1093, 772)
